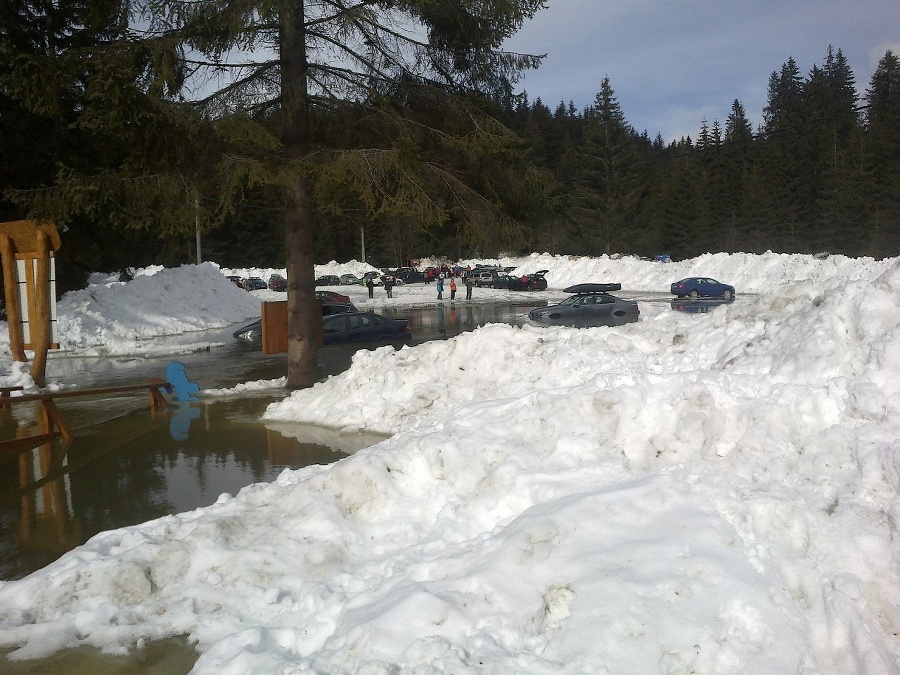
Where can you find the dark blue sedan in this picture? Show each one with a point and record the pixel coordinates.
(702, 287)
(364, 327)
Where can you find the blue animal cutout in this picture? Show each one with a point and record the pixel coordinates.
(180, 424)
(183, 388)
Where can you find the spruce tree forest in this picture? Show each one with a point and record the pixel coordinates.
(821, 175)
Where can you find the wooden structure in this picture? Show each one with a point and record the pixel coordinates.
(275, 327)
(47, 523)
(29, 281)
(53, 425)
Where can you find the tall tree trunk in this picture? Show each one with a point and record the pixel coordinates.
(299, 233)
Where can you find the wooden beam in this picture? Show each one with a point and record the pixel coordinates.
(73, 393)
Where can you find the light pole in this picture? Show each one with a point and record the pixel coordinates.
(362, 242)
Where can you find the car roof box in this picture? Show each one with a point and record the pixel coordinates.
(592, 288)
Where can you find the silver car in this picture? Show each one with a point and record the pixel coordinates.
(592, 305)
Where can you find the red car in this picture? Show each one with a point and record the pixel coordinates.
(332, 296)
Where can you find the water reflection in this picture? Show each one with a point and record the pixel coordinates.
(127, 466)
(700, 305)
(165, 657)
(132, 468)
(452, 318)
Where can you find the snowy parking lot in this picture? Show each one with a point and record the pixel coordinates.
(710, 493)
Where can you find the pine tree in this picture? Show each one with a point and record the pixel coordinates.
(264, 73)
(737, 149)
(841, 169)
(783, 156)
(883, 154)
(608, 193)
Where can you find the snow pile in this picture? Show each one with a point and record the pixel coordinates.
(167, 302)
(690, 493)
(746, 272)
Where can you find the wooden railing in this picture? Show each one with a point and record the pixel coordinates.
(53, 423)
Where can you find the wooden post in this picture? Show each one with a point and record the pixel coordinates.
(13, 317)
(39, 311)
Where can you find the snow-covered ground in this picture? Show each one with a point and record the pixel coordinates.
(709, 493)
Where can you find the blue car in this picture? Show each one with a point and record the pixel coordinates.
(702, 287)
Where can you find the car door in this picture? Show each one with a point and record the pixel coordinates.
(335, 329)
(709, 287)
(363, 328)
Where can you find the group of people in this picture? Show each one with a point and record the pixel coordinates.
(388, 286)
(467, 280)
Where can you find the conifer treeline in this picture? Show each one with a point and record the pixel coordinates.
(822, 174)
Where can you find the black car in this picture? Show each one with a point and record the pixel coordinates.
(255, 284)
(592, 305)
(409, 276)
(252, 332)
(529, 282)
(364, 327)
(501, 280)
(328, 280)
(237, 281)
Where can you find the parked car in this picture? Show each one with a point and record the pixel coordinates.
(529, 282)
(374, 276)
(237, 281)
(592, 305)
(350, 280)
(410, 276)
(328, 280)
(252, 332)
(332, 296)
(364, 327)
(255, 284)
(483, 277)
(700, 305)
(501, 280)
(277, 283)
(702, 287)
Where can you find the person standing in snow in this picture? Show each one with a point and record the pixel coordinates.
(371, 286)
(452, 288)
(389, 286)
(440, 287)
(469, 283)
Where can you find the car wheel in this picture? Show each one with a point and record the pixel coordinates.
(694, 295)
(727, 295)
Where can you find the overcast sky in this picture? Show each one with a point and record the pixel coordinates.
(673, 63)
